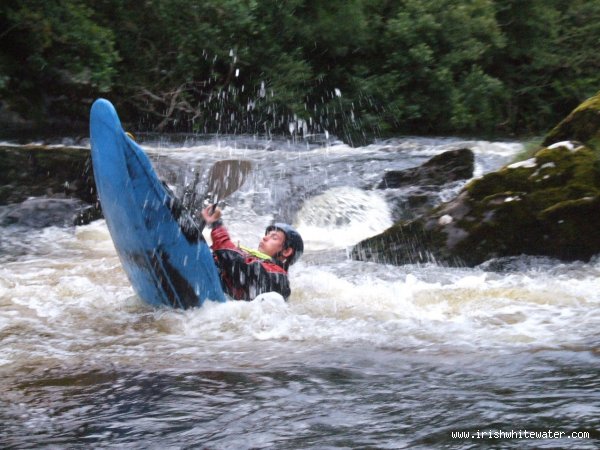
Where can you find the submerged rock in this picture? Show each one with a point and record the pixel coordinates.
(548, 205)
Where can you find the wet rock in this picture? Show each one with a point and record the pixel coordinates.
(43, 212)
(47, 174)
(414, 191)
(32, 171)
(548, 205)
(444, 168)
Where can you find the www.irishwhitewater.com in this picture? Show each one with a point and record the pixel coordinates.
(520, 434)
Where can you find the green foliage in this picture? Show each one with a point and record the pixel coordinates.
(433, 54)
(550, 62)
(351, 67)
(53, 48)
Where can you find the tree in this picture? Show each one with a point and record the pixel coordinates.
(53, 55)
(434, 57)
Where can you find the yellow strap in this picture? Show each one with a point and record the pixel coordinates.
(254, 252)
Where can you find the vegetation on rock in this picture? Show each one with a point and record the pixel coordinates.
(548, 205)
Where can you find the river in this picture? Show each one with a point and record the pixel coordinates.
(361, 356)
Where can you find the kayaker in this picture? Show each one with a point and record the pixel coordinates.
(246, 273)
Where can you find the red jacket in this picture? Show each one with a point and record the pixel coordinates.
(243, 275)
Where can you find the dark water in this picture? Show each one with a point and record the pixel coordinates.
(344, 398)
(362, 355)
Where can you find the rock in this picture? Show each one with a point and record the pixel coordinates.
(43, 212)
(583, 125)
(446, 167)
(549, 208)
(57, 178)
(548, 205)
(33, 171)
(412, 202)
(412, 192)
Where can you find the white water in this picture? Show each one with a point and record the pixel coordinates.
(66, 304)
(71, 303)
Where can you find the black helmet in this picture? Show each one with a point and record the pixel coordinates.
(293, 239)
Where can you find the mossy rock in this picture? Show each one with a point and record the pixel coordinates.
(538, 208)
(548, 205)
(583, 125)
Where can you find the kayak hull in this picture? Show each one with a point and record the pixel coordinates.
(165, 258)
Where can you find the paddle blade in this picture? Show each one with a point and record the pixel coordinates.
(225, 178)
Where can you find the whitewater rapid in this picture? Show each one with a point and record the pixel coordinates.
(359, 350)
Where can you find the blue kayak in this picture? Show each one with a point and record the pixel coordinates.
(160, 246)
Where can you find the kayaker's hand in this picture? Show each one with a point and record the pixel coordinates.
(211, 216)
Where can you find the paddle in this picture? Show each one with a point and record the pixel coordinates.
(225, 178)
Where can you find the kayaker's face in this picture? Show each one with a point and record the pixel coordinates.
(272, 243)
